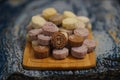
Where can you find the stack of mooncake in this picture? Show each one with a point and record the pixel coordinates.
(56, 34)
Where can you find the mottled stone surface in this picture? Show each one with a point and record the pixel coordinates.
(105, 18)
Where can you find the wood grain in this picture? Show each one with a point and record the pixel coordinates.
(30, 62)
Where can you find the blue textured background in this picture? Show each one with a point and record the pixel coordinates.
(104, 16)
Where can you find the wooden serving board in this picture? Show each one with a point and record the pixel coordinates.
(30, 62)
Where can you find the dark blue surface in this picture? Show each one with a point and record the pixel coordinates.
(104, 16)
(7, 15)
